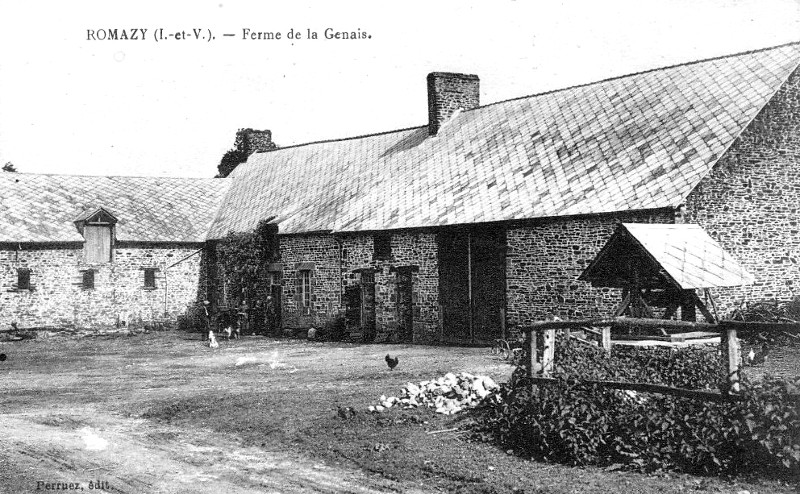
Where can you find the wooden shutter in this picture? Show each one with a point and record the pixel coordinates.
(97, 243)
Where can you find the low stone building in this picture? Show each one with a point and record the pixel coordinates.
(83, 251)
(484, 218)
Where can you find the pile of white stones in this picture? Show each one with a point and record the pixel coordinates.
(448, 394)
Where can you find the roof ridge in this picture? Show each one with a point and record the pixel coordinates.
(11, 175)
(551, 91)
(632, 74)
(340, 139)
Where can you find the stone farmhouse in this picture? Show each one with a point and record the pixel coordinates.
(450, 232)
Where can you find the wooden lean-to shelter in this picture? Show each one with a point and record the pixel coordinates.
(660, 269)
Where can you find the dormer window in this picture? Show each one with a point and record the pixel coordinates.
(97, 228)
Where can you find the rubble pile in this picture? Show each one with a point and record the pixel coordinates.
(448, 394)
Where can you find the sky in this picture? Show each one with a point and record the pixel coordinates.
(72, 105)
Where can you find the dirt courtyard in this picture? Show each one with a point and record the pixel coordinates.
(73, 410)
(163, 413)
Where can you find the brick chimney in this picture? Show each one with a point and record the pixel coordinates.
(448, 92)
(250, 141)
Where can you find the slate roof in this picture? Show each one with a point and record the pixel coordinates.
(43, 208)
(636, 142)
(684, 254)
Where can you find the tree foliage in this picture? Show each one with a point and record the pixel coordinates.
(230, 160)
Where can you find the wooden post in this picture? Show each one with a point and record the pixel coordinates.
(548, 355)
(606, 339)
(731, 359)
(503, 323)
(530, 351)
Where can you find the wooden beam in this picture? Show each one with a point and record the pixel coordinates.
(741, 326)
(530, 351)
(648, 388)
(730, 362)
(606, 340)
(759, 327)
(626, 300)
(703, 309)
(503, 323)
(593, 331)
(628, 322)
(710, 298)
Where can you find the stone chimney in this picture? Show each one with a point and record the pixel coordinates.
(448, 92)
(250, 141)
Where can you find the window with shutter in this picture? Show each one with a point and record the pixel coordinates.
(97, 243)
(149, 278)
(23, 279)
(88, 280)
(305, 288)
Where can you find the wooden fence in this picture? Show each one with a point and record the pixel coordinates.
(540, 369)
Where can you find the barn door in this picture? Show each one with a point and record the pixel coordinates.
(352, 314)
(488, 283)
(405, 304)
(472, 284)
(454, 286)
(368, 305)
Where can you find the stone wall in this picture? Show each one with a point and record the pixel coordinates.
(751, 199)
(545, 258)
(336, 261)
(58, 299)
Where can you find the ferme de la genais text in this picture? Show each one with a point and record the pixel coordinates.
(207, 35)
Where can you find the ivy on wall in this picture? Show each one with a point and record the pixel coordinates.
(243, 259)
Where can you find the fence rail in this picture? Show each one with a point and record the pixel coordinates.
(648, 388)
(730, 356)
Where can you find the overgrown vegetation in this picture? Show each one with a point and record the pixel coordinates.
(779, 312)
(244, 257)
(579, 424)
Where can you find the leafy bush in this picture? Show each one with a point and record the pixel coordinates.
(584, 424)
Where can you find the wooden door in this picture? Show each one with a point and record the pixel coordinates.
(405, 305)
(454, 286)
(488, 283)
(368, 306)
(472, 284)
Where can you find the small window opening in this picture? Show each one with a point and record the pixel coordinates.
(150, 278)
(305, 288)
(88, 280)
(23, 279)
(383, 246)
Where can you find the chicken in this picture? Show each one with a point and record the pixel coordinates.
(392, 362)
(758, 358)
(212, 340)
